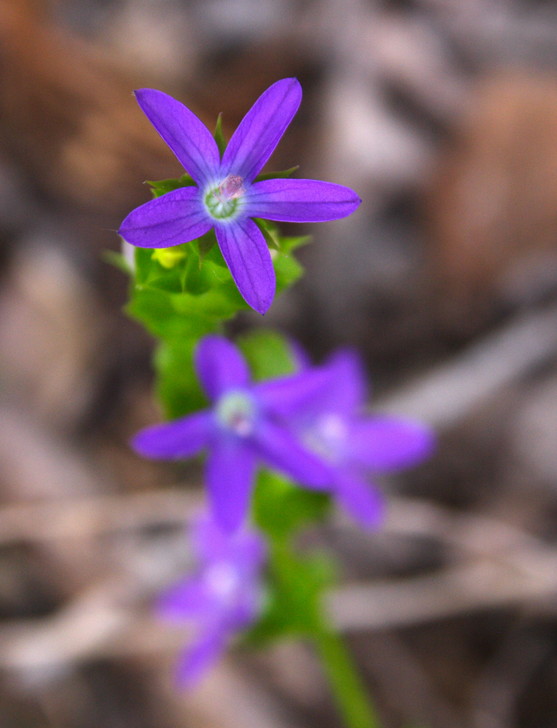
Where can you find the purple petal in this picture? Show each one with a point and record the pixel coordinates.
(211, 543)
(361, 501)
(298, 393)
(300, 200)
(174, 218)
(260, 130)
(347, 391)
(282, 451)
(385, 443)
(246, 253)
(200, 656)
(185, 134)
(190, 599)
(220, 366)
(230, 473)
(178, 439)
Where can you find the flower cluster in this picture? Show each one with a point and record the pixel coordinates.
(223, 597)
(225, 193)
(247, 424)
(309, 426)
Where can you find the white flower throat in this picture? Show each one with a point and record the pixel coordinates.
(236, 411)
(225, 200)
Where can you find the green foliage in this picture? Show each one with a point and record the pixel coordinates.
(295, 582)
(268, 354)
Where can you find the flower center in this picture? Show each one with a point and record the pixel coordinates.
(225, 200)
(327, 438)
(236, 411)
(222, 580)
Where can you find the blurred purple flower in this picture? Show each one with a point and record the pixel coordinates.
(222, 598)
(227, 196)
(247, 423)
(334, 427)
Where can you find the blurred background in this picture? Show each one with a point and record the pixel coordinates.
(442, 114)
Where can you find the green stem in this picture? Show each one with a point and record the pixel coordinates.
(349, 692)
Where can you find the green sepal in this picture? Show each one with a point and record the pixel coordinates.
(219, 135)
(162, 186)
(270, 233)
(118, 261)
(277, 175)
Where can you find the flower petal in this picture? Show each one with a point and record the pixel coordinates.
(187, 136)
(300, 200)
(200, 656)
(174, 218)
(220, 366)
(178, 439)
(230, 472)
(246, 253)
(347, 391)
(189, 599)
(298, 393)
(387, 443)
(260, 130)
(360, 500)
(281, 450)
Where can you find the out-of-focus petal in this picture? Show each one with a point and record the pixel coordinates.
(347, 390)
(294, 394)
(174, 218)
(220, 366)
(282, 451)
(200, 656)
(360, 500)
(187, 136)
(246, 253)
(387, 443)
(230, 473)
(190, 599)
(260, 130)
(178, 439)
(300, 200)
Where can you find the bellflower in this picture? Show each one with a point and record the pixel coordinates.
(357, 446)
(247, 423)
(226, 195)
(223, 597)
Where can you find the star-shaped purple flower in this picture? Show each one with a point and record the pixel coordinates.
(226, 196)
(334, 426)
(222, 598)
(247, 423)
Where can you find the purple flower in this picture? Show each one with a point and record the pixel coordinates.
(227, 196)
(334, 427)
(246, 424)
(222, 598)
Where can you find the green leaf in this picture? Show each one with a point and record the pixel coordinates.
(287, 270)
(280, 508)
(177, 385)
(268, 353)
(219, 135)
